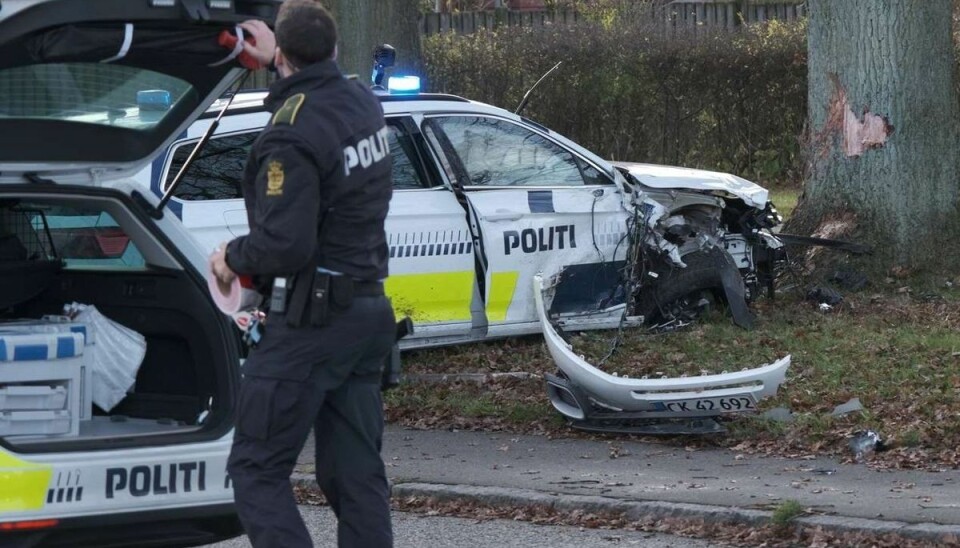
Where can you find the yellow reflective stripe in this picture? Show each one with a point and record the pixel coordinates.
(432, 298)
(23, 485)
(502, 287)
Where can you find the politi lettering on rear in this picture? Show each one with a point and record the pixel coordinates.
(157, 479)
(532, 240)
(366, 152)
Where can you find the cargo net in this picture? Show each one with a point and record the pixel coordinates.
(25, 235)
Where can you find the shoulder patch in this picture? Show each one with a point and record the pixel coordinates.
(274, 178)
(287, 114)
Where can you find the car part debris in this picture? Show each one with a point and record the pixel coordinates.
(598, 401)
(851, 406)
(856, 249)
(866, 442)
(824, 295)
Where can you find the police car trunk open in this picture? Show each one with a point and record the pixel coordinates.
(90, 92)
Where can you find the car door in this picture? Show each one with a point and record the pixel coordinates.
(432, 274)
(431, 264)
(538, 207)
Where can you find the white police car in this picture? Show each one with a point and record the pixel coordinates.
(98, 106)
(486, 201)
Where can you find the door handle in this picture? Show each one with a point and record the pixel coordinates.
(504, 216)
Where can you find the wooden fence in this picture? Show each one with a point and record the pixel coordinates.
(707, 14)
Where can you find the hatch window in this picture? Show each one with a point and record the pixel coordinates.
(91, 93)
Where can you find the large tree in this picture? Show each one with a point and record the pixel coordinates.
(884, 118)
(364, 24)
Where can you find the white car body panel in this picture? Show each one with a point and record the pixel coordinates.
(91, 483)
(652, 396)
(681, 178)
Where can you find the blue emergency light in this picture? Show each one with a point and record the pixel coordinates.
(404, 84)
(157, 100)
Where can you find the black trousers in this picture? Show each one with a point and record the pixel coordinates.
(328, 379)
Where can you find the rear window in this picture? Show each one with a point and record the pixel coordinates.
(91, 93)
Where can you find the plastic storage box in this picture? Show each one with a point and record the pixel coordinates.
(33, 398)
(34, 423)
(51, 360)
(64, 325)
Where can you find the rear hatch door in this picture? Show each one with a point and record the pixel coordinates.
(92, 90)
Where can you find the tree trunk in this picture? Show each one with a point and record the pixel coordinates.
(884, 125)
(364, 24)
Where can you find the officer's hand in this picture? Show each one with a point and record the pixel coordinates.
(266, 45)
(218, 264)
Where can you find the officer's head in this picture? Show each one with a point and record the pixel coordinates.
(306, 34)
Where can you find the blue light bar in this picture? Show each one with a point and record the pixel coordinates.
(154, 99)
(404, 84)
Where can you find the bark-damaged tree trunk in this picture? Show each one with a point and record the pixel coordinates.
(884, 124)
(364, 24)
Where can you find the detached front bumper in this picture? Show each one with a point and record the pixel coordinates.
(584, 392)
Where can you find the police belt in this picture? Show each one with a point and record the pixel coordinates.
(314, 294)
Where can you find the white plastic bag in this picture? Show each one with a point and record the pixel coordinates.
(116, 355)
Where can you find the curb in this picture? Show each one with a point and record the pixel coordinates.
(636, 510)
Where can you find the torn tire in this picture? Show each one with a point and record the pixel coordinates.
(679, 294)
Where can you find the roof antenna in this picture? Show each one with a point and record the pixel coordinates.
(526, 96)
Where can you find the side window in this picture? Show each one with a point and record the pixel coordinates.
(405, 172)
(494, 152)
(218, 173)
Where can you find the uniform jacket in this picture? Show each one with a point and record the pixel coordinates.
(317, 181)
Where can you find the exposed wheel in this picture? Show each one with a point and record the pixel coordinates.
(685, 294)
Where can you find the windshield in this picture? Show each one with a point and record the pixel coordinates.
(92, 93)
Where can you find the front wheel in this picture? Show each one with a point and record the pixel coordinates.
(682, 295)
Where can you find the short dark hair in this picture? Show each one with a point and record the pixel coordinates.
(306, 32)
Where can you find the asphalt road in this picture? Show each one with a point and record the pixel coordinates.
(417, 531)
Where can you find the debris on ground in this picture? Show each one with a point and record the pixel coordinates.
(865, 442)
(851, 406)
(824, 295)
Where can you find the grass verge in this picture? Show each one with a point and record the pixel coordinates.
(897, 351)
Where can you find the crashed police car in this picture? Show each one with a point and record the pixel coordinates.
(500, 227)
(117, 370)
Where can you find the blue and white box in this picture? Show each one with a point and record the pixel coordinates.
(52, 360)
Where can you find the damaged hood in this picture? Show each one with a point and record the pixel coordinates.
(666, 177)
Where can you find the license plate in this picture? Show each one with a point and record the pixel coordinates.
(725, 404)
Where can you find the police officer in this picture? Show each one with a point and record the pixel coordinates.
(317, 187)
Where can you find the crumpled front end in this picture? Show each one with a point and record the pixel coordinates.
(595, 400)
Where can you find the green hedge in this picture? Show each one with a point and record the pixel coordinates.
(732, 102)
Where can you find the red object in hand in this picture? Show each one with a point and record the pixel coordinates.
(229, 41)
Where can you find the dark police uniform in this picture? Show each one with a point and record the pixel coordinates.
(317, 189)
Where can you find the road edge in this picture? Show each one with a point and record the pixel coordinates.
(637, 509)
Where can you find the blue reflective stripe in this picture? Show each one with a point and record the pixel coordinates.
(3, 350)
(30, 352)
(82, 329)
(540, 201)
(66, 347)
